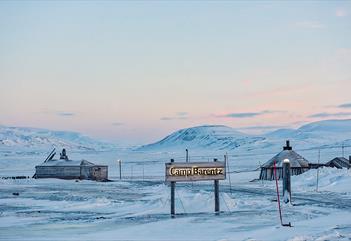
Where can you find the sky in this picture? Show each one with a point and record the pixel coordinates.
(133, 72)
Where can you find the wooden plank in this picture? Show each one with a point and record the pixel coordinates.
(195, 171)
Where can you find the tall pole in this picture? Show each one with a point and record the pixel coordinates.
(226, 159)
(343, 149)
(259, 162)
(216, 192)
(319, 157)
(172, 197)
(120, 169)
(187, 155)
(286, 181)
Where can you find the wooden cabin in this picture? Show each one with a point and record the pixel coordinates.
(64, 168)
(298, 164)
(339, 162)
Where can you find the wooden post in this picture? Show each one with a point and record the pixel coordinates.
(226, 160)
(216, 190)
(343, 147)
(172, 197)
(120, 169)
(286, 181)
(319, 157)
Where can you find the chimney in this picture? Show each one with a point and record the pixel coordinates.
(287, 147)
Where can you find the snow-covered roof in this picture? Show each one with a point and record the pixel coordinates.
(339, 162)
(295, 160)
(64, 162)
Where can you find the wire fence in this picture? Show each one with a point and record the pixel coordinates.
(152, 165)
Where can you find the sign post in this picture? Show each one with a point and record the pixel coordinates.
(172, 196)
(195, 171)
(120, 168)
(216, 193)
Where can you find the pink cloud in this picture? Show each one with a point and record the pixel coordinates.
(340, 13)
(310, 24)
(247, 82)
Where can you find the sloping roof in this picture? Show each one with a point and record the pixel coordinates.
(86, 163)
(339, 162)
(64, 162)
(295, 160)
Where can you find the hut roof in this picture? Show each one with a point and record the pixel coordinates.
(339, 162)
(295, 159)
(67, 162)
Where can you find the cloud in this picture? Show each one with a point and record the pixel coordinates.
(58, 113)
(310, 24)
(243, 115)
(174, 118)
(166, 118)
(65, 114)
(326, 114)
(343, 54)
(346, 105)
(178, 116)
(263, 127)
(340, 13)
(182, 113)
(117, 124)
(249, 114)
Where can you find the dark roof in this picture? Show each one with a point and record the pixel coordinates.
(64, 162)
(339, 162)
(295, 160)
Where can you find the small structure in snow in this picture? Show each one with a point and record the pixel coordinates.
(339, 162)
(65, 168)
(298, 164)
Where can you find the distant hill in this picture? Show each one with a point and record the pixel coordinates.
(321, 132)
(328, 133)
(219, 137)
(25, 139)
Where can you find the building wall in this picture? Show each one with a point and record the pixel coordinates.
(64, 172)
(99, 173)
(268, 173)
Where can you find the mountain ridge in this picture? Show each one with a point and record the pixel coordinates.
(221, 137)
(44, 139)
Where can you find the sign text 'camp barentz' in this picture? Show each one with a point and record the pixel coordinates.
(194, 171)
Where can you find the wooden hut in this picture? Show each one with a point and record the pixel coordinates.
(298, 164)
(339, 162)
(64, 168)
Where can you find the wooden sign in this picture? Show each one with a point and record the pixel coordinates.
(195, 171)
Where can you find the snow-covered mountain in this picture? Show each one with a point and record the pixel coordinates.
(333, 128)
(215, 137)
(25, 139)
(327, 132)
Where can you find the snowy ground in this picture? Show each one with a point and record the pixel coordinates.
(137, 208)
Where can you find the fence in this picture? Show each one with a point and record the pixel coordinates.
(150, 166)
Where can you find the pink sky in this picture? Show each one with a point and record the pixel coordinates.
(134, 72)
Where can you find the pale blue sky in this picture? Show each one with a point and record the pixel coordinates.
(134, 71)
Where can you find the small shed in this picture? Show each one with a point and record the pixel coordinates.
(339, 162)
(298, 164)
(64, 168)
